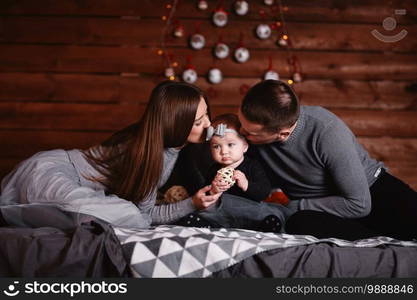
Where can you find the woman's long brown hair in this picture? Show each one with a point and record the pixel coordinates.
(131, 160)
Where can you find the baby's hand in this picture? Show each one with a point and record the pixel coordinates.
(218, 185)
(241, 180)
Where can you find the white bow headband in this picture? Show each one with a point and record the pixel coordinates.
(220, 130)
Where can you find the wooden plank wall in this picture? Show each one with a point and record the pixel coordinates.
(72, 72)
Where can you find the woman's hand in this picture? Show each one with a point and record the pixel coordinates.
(241, 180)
(202, 201)
(218, 185)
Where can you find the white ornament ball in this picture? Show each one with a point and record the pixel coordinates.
(283, 42)
(179, 32)
(202, 5)
(242, 54)
(215, 76)
(271, 75)
(220, 18)
(268, 2)
(189, 76)
(263, 31)
(297, 77)
(221, 51)
(197, 41)
(169, 72)
(241, 7)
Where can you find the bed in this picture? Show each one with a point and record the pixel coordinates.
(175, 251)
(48, 242)
(45, 241)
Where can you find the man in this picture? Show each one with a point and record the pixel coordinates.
(338, 189)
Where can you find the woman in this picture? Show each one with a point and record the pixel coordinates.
(118, 180)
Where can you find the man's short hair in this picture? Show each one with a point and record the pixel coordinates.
(271, 103)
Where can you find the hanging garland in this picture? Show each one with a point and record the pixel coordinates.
(286, 42)
(275, 21)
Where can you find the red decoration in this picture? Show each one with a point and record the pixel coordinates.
(279, 197)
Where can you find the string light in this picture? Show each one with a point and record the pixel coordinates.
(286, 42)
(285, 39)
(169, 71)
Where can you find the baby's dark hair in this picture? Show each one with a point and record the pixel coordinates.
(231, 121)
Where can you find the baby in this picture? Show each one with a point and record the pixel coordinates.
(236, 174)
(228, 148)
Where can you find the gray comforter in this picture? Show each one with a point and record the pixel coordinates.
(176, 251)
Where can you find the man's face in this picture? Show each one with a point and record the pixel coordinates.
(256, 134)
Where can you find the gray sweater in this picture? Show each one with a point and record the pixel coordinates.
(61, 178)
(160, 214)
(166, 213)
(321, 166)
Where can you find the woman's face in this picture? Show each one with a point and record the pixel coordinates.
(201, 122)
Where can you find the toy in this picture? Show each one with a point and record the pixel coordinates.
(227, 175)
(174, 194)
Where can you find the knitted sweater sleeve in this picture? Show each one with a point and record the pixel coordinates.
(259, 186)
(351, 199)
(166, 213)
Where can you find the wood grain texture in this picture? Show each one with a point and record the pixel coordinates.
(92, 88)
(52, 58)
(119, 31)
(22, 143)
(67, 116)
(362, 11)
(72, 72)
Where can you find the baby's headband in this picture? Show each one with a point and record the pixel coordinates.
(220, 130)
